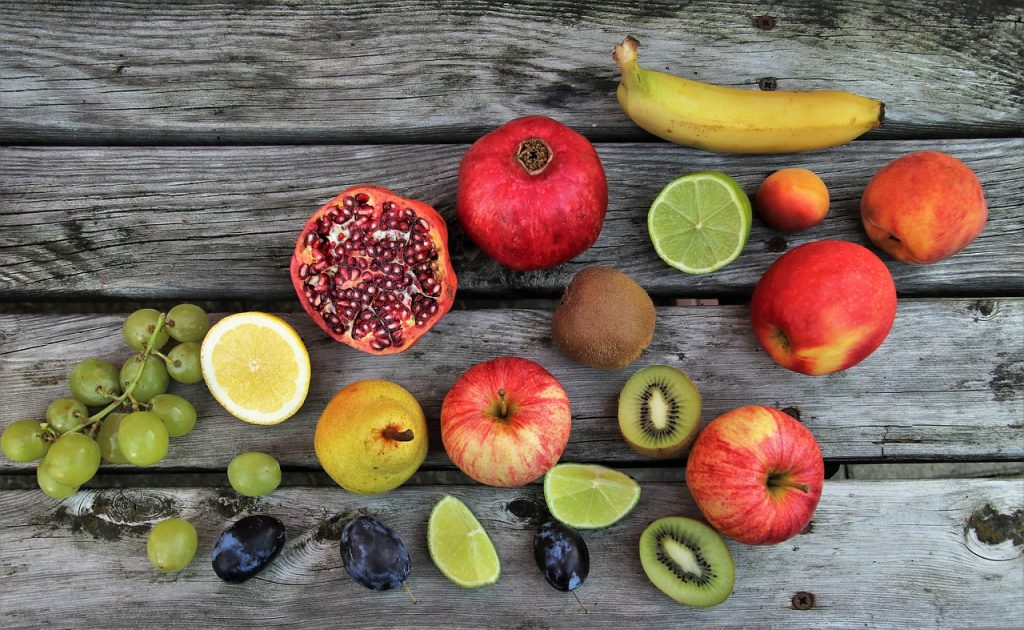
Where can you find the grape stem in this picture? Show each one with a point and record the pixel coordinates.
(96, 419)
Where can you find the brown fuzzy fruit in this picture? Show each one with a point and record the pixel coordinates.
(605, 320)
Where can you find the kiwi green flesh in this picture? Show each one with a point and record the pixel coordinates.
(659, 410)
(688, 561)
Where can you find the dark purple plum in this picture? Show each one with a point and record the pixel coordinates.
(562, 555)
(374, 555)
(247, 547)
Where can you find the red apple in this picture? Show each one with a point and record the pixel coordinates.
(792, 199)
(923, 207)
(505, 422)
(756, 475)
(823, 307)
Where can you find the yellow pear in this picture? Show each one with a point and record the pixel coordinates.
(371, 437)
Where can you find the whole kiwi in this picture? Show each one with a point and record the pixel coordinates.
(605, 320)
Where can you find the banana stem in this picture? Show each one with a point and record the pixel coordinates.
(624, 54)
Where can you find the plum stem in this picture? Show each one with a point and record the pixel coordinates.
(392, 433)
(408, 590)
(502, 405)
(580, 602)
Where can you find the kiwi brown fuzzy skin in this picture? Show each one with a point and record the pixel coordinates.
(605, 320)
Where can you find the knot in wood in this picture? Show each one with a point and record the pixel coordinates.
(765, 22)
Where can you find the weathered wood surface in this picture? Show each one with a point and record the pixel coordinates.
(220, 223)
(284, 72)
(947, 384)
(878, 554)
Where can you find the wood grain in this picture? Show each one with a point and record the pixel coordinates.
(399, 71)
(220, 223)
(878, 554)
(947, 384)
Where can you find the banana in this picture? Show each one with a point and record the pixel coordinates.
(731, 120)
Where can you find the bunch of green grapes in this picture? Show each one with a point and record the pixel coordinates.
(121, 416)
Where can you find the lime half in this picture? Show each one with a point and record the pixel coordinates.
(588, 496)
(700, 222)
(459, 546)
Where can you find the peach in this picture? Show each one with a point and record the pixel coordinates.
(792, 199)
(923, 207)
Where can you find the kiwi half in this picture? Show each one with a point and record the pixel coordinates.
(688, 561)
(659, 410)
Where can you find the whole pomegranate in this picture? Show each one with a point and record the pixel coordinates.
(532, 193)
(372, 269)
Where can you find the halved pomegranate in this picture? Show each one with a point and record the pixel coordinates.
(372, 269)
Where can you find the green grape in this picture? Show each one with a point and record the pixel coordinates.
(73, 459)
(139, 327)
(172, 544)
(254, 474)
(65, 414)
(50, 487)
(142, 438)
(183, 364)
(94, 382)
(22, 441)
(153, 381)
(187, 322)
(107, 439)
(178, 414)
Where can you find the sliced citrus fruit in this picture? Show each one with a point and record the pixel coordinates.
(459, 546)
(700, 222)
(256, 366)
(589, 496)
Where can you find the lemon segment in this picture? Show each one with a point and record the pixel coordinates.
(589, 496)
(459, 546)
(256, 366)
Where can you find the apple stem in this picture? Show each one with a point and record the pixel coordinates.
(803, 487)
(399, 436)
(502, 404)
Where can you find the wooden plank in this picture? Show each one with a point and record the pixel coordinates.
(398, 71)
(878, 554)
(220, 223)
(948, 383)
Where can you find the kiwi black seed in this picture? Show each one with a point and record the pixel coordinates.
(659, 410)
(688, 561)
(605, 320)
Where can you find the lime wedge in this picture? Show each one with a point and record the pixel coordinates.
(459, 546)
(700, 222)
(588, 496)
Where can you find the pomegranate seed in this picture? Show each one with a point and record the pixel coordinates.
(362, 198)
(380, 344)
(304, 271)
(311, 237)
(349, 202)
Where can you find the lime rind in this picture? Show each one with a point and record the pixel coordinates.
(454, 535)
(715, 201)
(589, 496)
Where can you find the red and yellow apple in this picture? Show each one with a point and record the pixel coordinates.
(792, 199)
(505, 422)
(756, 475)
(923, 207)
(823, 307)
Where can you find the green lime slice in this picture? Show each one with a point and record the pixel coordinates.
(459, 546)
(588, 496)
(700, 222)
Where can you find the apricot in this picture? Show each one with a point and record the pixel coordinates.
(792, 199)
(923, 207)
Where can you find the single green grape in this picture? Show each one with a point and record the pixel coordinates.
(254, 474)
(73, 459)
(50, 487)
(187, 322)
(106, 437)
(183, 363)
(65, 414)
(22, 441)
(139, 327)
(142, 438)
(172, 544)
(178, 414)
(153, 381)
(94, 382)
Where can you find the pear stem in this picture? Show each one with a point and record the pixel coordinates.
(502, 405)
(392, 433)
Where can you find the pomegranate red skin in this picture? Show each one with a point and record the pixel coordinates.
(304, 256)
(532, 220)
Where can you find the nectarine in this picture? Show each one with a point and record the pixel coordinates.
(792, 199)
